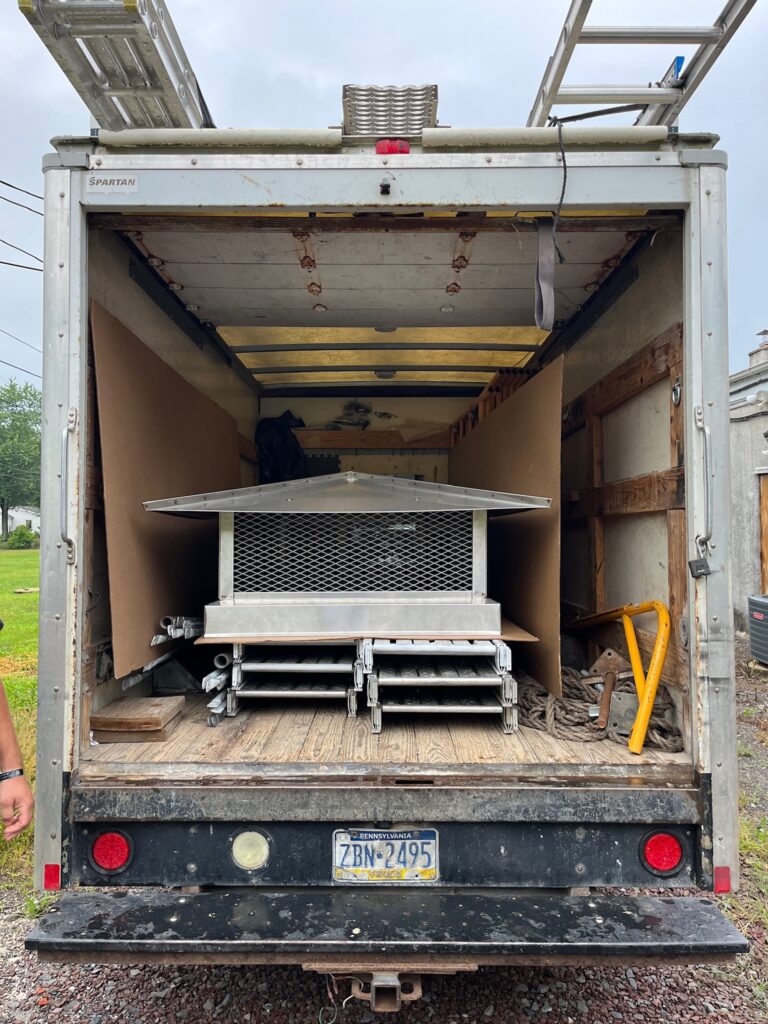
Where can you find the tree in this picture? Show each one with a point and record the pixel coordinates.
(20, 416)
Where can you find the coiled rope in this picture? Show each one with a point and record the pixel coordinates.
(568, 717)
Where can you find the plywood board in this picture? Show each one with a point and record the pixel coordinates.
(159, 437)
(517, 448)
(510, 632)
(137, 714)
(145, 736)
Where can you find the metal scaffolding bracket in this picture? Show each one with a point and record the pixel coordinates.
(124, 58)
(658, 102)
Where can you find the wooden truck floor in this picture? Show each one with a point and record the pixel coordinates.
(284, 733)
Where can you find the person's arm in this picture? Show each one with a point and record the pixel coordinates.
(16, 800)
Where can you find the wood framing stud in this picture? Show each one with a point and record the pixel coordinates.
(677, 568)
(650, 492)
(638, 373)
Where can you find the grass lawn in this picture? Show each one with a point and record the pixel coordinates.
(18, 671)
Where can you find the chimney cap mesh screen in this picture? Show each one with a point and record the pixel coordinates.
(343, 553)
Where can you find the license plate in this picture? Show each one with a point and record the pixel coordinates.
(370, 855)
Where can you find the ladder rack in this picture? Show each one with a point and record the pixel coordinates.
(657, 102)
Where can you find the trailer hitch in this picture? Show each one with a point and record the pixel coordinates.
(386, 991)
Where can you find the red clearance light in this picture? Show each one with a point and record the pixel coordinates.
(111, 851)
(384, 146)
(52, 876)
(662, 853)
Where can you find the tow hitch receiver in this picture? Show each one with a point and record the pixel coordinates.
(386, 991)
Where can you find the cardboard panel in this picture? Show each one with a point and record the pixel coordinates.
(159, 437)
(517, 448)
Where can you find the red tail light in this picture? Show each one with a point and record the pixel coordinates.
(662, 853)
(111, 851)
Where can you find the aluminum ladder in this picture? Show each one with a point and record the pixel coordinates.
(658, 102)
(124, 58)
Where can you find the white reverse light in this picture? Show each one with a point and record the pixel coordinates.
(250, 850)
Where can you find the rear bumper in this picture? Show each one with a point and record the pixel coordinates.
(297, 926)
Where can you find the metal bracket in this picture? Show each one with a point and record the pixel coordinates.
(64, 485)
(351, 703)
(703, 157)
(503, 657)
(237, 667)
(359, 674)
(365, 654)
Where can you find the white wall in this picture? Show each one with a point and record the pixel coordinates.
(23, 517)
(747, 446)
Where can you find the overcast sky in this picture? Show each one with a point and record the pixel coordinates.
(282, 64)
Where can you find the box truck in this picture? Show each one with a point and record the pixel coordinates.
(199, 282)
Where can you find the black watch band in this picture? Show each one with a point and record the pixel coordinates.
(13, 774)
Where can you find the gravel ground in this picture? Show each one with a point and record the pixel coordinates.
(736, 993)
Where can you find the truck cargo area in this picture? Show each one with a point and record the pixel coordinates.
(406, 345)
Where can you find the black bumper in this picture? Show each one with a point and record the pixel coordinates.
(298, 924)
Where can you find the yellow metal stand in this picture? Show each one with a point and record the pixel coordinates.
(646, 686)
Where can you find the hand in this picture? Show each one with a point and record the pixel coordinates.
(16, 805)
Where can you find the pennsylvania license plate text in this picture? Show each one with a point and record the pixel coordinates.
(370, 855)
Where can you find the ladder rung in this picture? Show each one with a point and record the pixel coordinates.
(616, 94)
(665, 34)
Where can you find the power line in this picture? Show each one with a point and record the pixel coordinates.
(22, 205)
(8, 333)
(21, 266)
(9, 185)
(19, 249)
(14, 367)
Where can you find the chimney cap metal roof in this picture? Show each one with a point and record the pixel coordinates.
(348, 492)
